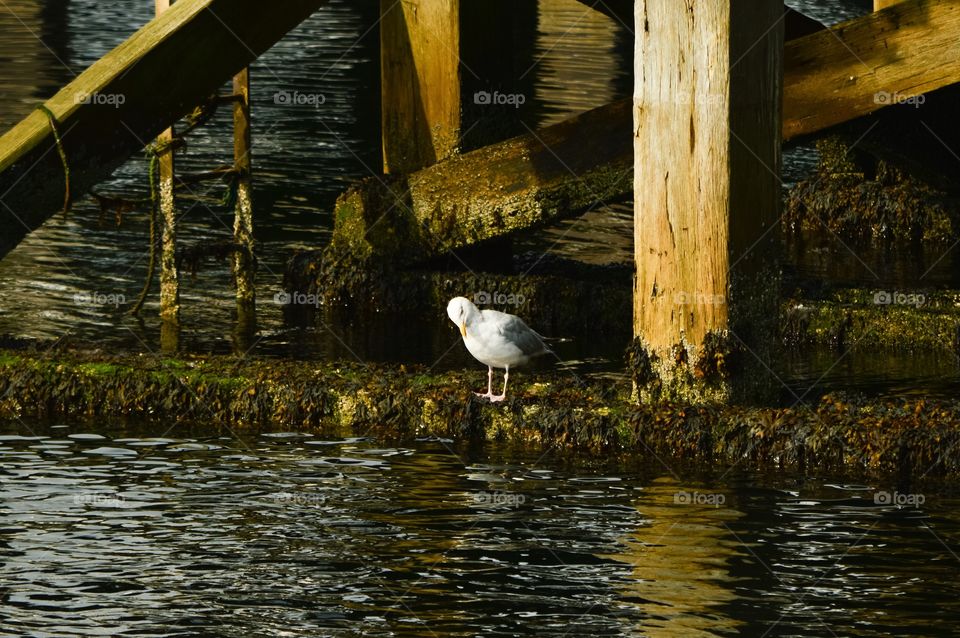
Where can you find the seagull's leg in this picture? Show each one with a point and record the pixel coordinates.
(489, 393)
(506, 377)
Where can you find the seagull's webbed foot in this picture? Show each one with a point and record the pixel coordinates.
(489, 393)
(494, 399)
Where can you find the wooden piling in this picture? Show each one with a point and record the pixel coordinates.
(169, 277)
(707, 109)
(243, 262)
(420, 73)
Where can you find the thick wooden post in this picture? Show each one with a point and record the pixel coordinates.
(243, 263)
(883, 4)
(707, 110)
(420, 73)
(169, 277)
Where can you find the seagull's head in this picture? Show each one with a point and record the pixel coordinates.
(461, 312)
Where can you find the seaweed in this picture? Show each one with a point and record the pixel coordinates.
(840, 432)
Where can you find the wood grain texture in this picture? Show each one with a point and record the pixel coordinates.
(909, 48)
(420, 74)
(162, 71)
(706, 164)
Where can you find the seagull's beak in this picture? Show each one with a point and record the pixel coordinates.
(463, 328)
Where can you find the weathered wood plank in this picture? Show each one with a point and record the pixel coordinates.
(153, 78)
(515, 184)
(706, 189)
(862, 65)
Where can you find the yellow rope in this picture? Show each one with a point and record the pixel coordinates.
(152, 264)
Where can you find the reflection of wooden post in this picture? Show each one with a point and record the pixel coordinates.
(243, 270)
(707, 109)
(420, 72)
(169, 278)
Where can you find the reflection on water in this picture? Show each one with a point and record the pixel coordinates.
(820, 369)
(681, 564)
(817, 261)
(149, 530)
(583, 59)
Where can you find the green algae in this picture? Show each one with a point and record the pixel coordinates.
(838, 432)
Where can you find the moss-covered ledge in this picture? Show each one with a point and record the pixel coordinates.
(840, 433)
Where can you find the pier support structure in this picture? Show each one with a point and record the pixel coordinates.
(169, 276)
(455, 75)
(243, 259)
(707, 118)
(420, 75)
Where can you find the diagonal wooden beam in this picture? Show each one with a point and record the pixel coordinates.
(127, 97)
(865, 64)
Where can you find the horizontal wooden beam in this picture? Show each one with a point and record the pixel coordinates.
(124, 99)
(860, 66)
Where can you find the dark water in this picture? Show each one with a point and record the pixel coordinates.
(74, 277)
(155, 531)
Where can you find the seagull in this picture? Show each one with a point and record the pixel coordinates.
(495, 339)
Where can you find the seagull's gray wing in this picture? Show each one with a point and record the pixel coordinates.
(517, 332)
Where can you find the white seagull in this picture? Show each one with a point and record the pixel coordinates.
(495, 339)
